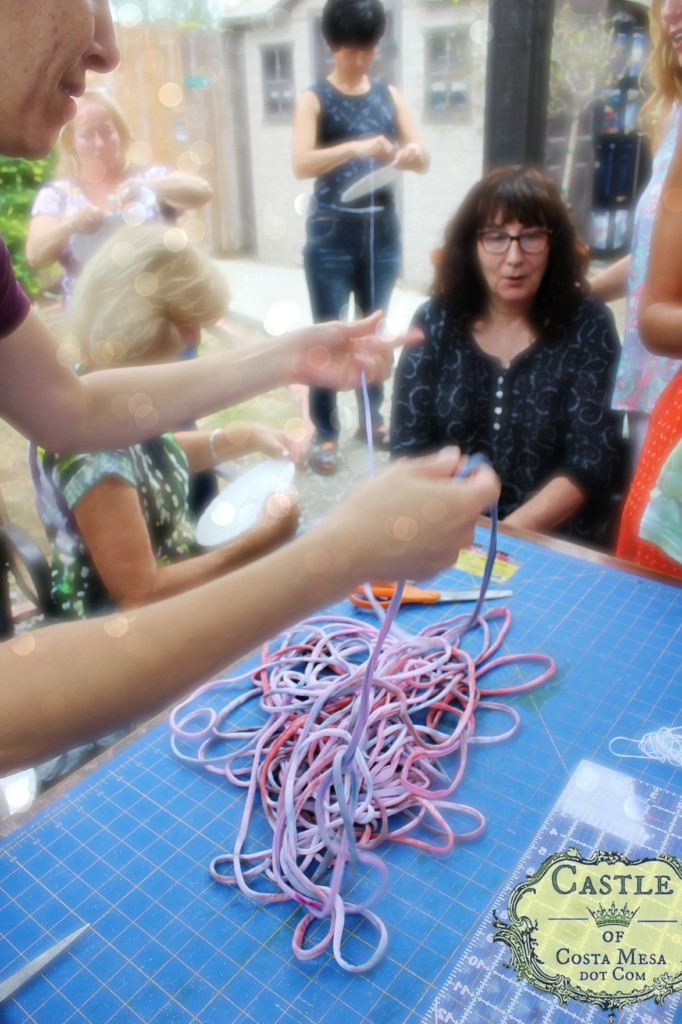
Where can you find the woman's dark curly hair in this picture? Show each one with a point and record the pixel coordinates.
(504, 194)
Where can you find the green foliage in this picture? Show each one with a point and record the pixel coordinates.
(19, 182)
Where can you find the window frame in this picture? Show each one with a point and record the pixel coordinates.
(455, 72)
(267, 52)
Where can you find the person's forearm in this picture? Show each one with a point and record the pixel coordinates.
(194, 571)
(660, 327)
(660, 308)
(43, 398)
(68, 683)
(412, 154)
(549, 507)
(313, 162)
(47, 239)
(162, 396)
(611, 283)
(139, 661)
(205, 449)
(181, 191)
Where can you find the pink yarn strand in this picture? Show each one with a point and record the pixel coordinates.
(363, 739)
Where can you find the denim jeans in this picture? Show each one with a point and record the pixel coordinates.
(349, 253)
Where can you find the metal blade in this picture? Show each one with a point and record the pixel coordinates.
(17, 980)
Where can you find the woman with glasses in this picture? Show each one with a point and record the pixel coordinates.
(519, 360)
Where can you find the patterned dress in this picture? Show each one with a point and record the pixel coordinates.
(641, 375)
(157, 469)
(344, 117)
(62, 198)
(651, 526)
(546, 413)
(351, 248)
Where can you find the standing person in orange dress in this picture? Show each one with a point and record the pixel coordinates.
(651, 527)
(642, 375)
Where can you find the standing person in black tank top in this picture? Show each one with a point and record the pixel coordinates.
(345, 127)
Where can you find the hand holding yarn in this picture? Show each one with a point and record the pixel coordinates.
(376, 146)
(87, 219)
(416, 515)
(336, 354)
(356, 722)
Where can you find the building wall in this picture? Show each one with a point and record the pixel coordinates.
(425, 201)
(277, 224)
(456, 149)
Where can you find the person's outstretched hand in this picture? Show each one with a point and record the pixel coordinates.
(412, 519)
(277, 520)
(335, 354)
(277, 443)
(87, 219)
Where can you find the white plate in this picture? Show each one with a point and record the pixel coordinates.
(371, 182)
(235, 509)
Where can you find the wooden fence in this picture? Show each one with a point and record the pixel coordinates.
(179, 95)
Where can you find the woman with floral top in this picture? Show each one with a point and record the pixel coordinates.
(97, 183)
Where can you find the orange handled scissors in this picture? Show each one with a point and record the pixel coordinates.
(383, 592)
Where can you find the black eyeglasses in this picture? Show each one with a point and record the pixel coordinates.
(533, 241)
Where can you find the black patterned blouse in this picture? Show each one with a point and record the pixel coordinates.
(547, 413)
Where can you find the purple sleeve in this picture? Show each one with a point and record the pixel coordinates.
(14, 303)
(50, 200)
(153, 171)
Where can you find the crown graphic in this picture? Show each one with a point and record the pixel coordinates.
(610, 916)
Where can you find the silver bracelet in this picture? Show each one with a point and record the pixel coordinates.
(211, 444)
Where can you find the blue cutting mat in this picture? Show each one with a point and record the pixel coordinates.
(127, 851)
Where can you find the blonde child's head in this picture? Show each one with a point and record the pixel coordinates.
(143, 296)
